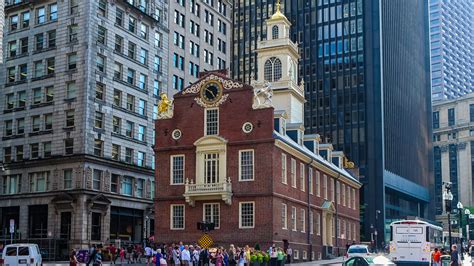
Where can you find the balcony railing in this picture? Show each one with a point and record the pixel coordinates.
(209, 191)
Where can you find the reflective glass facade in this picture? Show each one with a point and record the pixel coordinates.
(452, 41)
(362, 87)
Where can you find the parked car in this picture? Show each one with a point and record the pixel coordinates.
(358, 250)
(21, 254)
(368, 260)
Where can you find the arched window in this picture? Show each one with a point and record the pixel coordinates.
(267, 73)
(272, 69)
(275, 32)
(277, 70)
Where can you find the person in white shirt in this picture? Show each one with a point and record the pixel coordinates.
(185, 256)
(148, 254)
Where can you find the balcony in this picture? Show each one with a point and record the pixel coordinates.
(213, 191)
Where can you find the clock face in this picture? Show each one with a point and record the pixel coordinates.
(211, 92)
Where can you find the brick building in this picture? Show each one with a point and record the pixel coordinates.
(236, 155)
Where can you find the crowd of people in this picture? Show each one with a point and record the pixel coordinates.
(183, 255)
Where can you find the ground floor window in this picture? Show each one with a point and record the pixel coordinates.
(65, 227)
(177, 216)
(7, 214)
(212, 214)
(246, 214)
(96, 224)
(38, 221)
(126, 224)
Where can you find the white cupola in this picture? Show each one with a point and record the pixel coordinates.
(277, 62)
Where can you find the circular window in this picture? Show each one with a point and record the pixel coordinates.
(176, 134)
(247, 127)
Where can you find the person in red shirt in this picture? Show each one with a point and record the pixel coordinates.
(113, 253)
(436, 257)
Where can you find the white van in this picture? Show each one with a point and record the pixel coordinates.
(21, 254)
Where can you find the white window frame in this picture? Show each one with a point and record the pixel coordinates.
(311, 222)
(348, 195)
(305, 255)
(338, 192)
(284, 169)
(293, 219)
(303, 220)
(240, 215)
(296, 254)
(206, 122)
(318, 184)
(293, 172)
(302, 177)
(354, 198)
(172, 166)
(318, 223)
(240, 165)
(171, 216)
(331, 180)
(325, 186)
(213, 205)
(343, 194)
(284, 216)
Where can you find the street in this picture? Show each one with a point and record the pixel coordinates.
(337, 261)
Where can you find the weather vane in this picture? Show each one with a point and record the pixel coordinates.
(278, 5)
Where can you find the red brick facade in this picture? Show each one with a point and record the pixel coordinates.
(266, 190)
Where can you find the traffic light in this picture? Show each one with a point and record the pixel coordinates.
(205, 226)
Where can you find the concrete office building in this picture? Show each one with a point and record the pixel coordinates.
(453, 136)
(366, 67)
(452, 42)
(79, 92)
(199, 39)
(2, 22)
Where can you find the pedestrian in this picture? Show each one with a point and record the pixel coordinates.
(204, 257)
(273, 255)
(232, 255)
(241, 255)
(185, 256)
(436, 257)
(219, 257)
(92, 252)
(195, 255)
(280, 257)
(176, 256)
(73, 258)
(226, 256)
(157, 256)
(113, 253)
(98, 258)
(122, 255)
(289, 253)
(148, 254)
(129, 254)
(455, 260)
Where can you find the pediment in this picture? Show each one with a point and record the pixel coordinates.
(328, 206)
(100, 198)
(210, 141)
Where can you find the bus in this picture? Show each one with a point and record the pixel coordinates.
(412, 241)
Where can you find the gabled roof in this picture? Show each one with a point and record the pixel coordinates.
(219, 75)
(314, 156)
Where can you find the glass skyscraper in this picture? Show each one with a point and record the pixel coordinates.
(367, 76)
(452, 48)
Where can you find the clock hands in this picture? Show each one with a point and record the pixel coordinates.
(211, 92)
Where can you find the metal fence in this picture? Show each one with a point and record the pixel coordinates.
(51, 249)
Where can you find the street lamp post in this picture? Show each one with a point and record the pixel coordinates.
(460, 210)
(448, 198)
(467, 212)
